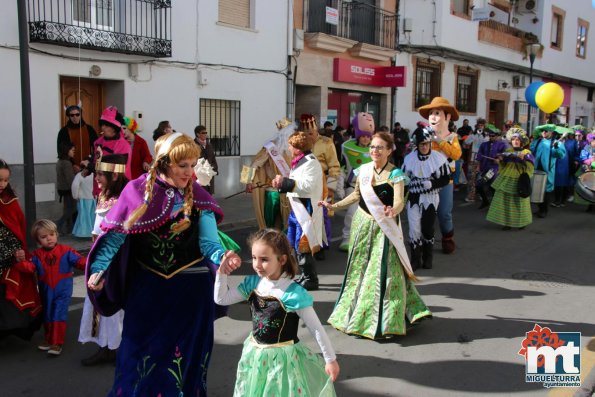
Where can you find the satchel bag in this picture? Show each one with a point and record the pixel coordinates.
(524, 185)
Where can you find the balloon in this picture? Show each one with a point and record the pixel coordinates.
(531, 90)
(549, 97)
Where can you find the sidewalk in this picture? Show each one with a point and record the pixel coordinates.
(237, 213)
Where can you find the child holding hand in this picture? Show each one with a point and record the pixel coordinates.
(277, 304)
(54, 264)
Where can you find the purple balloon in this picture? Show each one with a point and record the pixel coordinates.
(531, 90)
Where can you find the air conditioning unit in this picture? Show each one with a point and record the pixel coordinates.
(518, 81)
(526, 6)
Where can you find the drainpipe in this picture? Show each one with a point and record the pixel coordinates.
(394, 63)
(289, 79)
(29, 164)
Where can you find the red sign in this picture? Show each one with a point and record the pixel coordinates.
(348, 71)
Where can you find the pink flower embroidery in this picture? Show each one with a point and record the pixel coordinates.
(177, 353)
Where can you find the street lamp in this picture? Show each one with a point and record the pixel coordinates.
(532, 49)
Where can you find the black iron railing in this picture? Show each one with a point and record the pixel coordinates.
(358, 21)
(140, 27)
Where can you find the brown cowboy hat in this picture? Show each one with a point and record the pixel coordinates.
(439, 103)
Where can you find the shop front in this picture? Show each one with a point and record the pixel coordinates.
(335, 89)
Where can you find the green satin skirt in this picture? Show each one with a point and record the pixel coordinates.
(376, 300)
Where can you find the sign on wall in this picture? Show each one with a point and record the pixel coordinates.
(348, 71)
(332, 16)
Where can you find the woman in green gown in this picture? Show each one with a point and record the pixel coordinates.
(378, 298)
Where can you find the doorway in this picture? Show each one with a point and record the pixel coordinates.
(346, 104)
(496, 114)
(89, 93)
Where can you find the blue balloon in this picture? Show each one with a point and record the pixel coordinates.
(532, 90)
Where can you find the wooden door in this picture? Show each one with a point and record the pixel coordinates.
(90, 95)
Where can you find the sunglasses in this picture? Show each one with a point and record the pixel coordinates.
(74, 115)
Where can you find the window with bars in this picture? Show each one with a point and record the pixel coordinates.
(466, 94)
(581, 38)
(222, 119)
(427, 83)
(557, 28)
(235, 12)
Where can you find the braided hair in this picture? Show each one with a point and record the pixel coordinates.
(168, 153)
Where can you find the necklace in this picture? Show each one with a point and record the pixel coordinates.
(382, 169)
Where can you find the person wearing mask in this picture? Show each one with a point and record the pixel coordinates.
(439, 113)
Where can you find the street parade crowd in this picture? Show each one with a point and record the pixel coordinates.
(157, 272)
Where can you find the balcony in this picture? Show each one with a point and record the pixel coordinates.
(136, 27)
(358, 21)
(506, 36)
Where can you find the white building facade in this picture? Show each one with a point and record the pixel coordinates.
(482, 66)
(222, 64)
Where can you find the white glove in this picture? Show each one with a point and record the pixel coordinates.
(427, 185)
(204, 172)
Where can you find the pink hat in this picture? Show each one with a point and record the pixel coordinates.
(109, 116)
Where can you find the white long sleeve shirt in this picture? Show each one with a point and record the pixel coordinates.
(276, 288)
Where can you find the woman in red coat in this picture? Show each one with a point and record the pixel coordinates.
(19, 299)
(141, 156)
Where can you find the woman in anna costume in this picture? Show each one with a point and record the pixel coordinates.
(156, 260)
(377, 297)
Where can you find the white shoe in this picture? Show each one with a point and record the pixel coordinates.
(570, 199)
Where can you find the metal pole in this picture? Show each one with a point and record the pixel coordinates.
(531, 60)
(29, 168)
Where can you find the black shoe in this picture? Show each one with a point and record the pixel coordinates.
(540, 214)
(483, 205)
(310, 284)
(320, 256)
(101, 356)
(427, 255)
(506, 228)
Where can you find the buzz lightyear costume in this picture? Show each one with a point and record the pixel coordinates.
(354, 156)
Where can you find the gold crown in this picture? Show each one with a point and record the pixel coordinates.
(308, 123)
(284, 122)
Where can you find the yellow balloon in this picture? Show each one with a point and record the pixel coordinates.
(549, 97)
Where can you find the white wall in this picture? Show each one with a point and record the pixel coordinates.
(166, 90)
(461, 34)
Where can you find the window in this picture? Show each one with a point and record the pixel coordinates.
(96, 14)
(466, 94)
(460, 8)
(581, 38)
(222, 119)
(235, 12)
(557, 28)
(427, 82)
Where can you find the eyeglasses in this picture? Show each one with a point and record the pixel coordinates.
(379, 148)
(74, 115)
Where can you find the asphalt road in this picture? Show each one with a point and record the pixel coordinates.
(484, 298)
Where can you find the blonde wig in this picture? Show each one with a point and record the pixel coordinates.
(170, 149)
